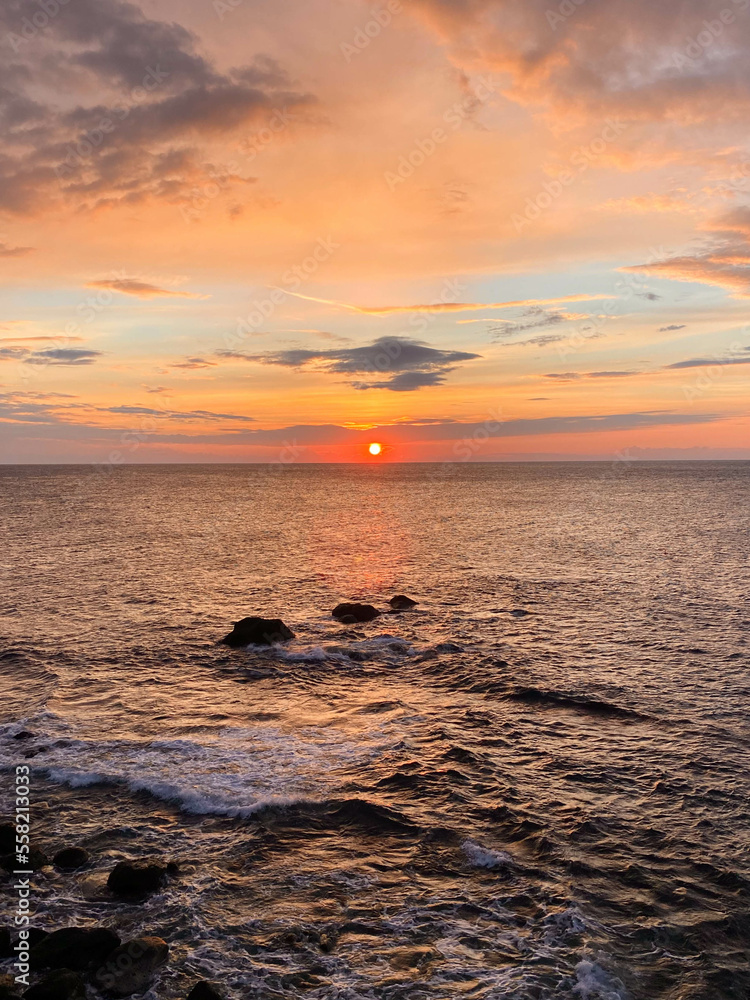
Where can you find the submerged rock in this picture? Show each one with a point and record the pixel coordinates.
(70, 858)
(402, 603)
(257, 632)
(137, 878)
(350, 613)
(73, 948)
(131, 967)
(204, 991)
(60, 985)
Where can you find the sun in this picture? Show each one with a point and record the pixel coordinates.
(375, 448)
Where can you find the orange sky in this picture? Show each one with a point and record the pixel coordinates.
(498, 229)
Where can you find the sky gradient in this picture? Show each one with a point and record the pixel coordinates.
(472, 230)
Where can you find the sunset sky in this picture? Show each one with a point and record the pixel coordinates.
(280, 230)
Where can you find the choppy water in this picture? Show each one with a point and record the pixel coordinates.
(457, 802)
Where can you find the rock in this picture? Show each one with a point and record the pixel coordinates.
(8, 988)
(24, 735)
(348, 620)
(60, 985)
(136, 878)
(204, 991)
(359, 612)
(70, 858)
(7, 838)
(73, 948)
(6, 949)
(257, 632)
(130, 968)
(35, 859)
(402, 603)
(36, 934)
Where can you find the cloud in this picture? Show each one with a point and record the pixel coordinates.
(534, 318)
(671, 327)
(63, 356)
(194, 363)
(8, 251)
(711, 362)
(722, 263)
(141, 289)
(190, 415)
(574, 376)
(444, 306)
(108, 105)
(53, 356)
(391, 357)
(62, 419)
(632, 58)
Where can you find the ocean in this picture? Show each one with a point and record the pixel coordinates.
(535, 785)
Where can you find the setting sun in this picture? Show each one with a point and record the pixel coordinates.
(375, 448)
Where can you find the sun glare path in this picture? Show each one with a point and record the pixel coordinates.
(375, 448)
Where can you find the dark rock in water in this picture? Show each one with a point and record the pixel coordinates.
(358, 612)
(136, 878)
(8, 988)
(35, 859)
(60, 985)
(348, 620)
(24, 735)
(204, 991)
(7, 838)
(257, 632)
(70, 858)
(74, 948)
(6, 950)
(36, 934)
(402, 603)
(130, 968)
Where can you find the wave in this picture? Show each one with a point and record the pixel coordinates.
(580, 703)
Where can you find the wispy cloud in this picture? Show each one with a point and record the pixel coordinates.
(141, 289)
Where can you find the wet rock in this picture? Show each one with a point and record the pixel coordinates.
(70, 858)
(257, 632)
(204, 991)
(357, 612)
(8, 988)
(6, 949)
(35, 859)
(36, 934)
(60, 985)
(73, 948)
(136, 878)
(7, 838)
(131, 967)
(402, 603)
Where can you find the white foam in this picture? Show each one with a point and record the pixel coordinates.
(594, 983)
(485, 857)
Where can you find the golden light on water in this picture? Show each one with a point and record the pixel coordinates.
(375, 448)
